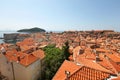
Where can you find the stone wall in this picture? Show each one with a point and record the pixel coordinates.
(14, 37)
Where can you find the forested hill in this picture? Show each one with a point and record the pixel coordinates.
(32, 30)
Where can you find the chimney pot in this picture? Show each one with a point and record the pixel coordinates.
(67, 74)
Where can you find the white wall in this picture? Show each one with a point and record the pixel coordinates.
(31, 72)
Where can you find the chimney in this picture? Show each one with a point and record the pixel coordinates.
(67, 75)
(81, 51)
(18, 59)
(97, 57)
(106, 57)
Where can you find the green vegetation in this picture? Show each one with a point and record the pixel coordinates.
(32, 30)
(65, 49)
(53, 60)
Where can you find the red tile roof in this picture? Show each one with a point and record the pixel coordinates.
(25, 59)
(118, 78)
(27, 41)
(86, 73)
(88, 58)
(66, 66)
(39, 53)
(106, 64)
(79, 72)
(113, 56)
(28, 59)
(92, 64)
(102, 50)
(115, 66)
(28, 53)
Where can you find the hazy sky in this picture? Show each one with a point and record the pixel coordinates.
(60, 14)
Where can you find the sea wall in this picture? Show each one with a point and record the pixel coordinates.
(14, 37)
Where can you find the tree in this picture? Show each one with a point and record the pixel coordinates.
(65, 49)
(54, 58)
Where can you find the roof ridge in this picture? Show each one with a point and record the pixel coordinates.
(76, 71)
(84, 73)
(112, 64)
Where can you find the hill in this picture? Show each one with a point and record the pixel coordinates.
(32, 30)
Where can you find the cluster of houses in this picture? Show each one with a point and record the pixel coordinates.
(22, 61)
(94, 55)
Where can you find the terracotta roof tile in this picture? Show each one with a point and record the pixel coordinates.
(106, 64)
(92, 64)
(25, 59)
(80, 72)
(102, 50)
(115, 66)
(86, 73)
(113, 56)
(28, 59)
(27, 41)
(66, 66)
(39, 53)
(118, 78)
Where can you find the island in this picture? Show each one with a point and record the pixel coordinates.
(32, 30)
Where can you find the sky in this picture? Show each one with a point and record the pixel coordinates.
(60, 15)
